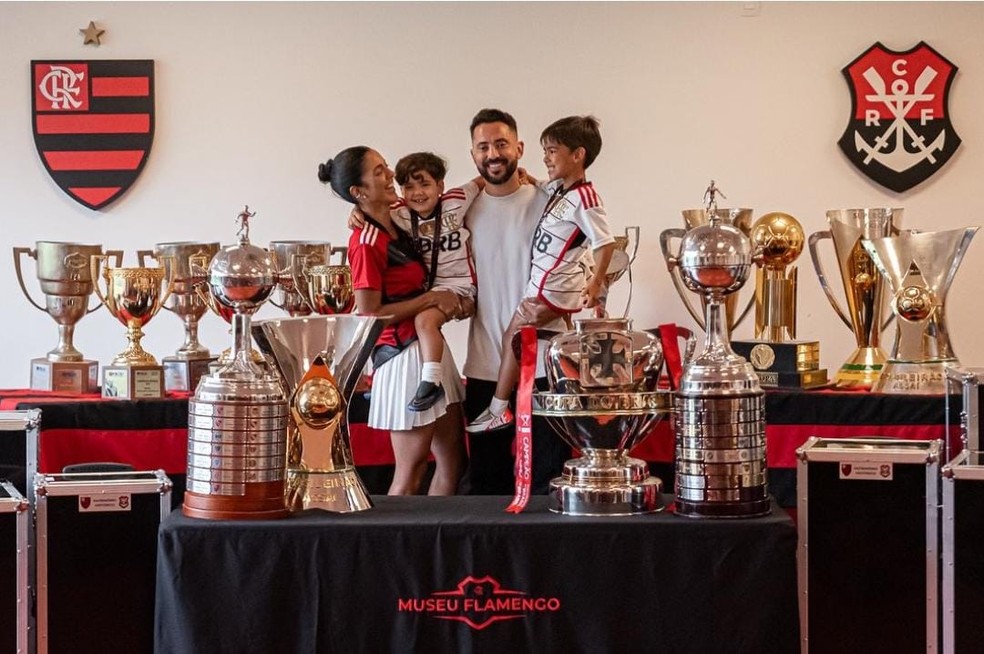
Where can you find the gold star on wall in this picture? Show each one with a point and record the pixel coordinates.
(91, 34)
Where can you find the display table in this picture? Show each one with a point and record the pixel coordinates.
(151, 434)
(420, 574)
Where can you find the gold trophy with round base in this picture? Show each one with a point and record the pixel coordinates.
(325, 287)
(780, 360)
(863, 287)
(65, 277)
(603, 402)
(133, 296)
(184, 368)
(320, 360)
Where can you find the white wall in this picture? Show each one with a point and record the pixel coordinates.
(252, 96)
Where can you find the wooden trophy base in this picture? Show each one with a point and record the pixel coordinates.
(261, 501)
(133, 382)
(790, 364)
(65, 376)
(183, 374)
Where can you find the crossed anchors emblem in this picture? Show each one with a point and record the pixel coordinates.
(900, 100)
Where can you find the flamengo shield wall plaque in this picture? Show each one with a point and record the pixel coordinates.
(93, 124)
(899, 133)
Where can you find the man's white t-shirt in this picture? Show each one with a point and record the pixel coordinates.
(501, 231)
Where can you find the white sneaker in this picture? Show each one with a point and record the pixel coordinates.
(487, 421)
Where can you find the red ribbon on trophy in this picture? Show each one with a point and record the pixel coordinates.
(524, 420)
(671, 353)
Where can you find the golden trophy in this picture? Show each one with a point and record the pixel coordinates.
(327, 288)
(184, 368)
(779, 359)
(313, 253)
(741, 219)
(863, 287)
(65, 278)
(133, 296)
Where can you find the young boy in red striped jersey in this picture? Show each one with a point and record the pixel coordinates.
(573, 224)
(435, 219)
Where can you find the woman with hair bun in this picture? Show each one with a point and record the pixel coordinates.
(389, 279)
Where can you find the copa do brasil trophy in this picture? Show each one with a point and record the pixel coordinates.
(65, 276)
(720, 406)
(780, 360)
(238, 417)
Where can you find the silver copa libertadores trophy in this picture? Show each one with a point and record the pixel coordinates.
(65, 277)
(603, 401)
(863, 287)
(919, 268)
(740, 219)
(238, 417)
(720, 406)
(185, 367)
(320, 360)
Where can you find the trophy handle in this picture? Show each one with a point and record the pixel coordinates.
(815, 239)
(143, 255)
(671, 265)
(341, 249)
(167, 262)
(298, 272)
(634, 230)
(118, 263)
(198, 265)
(18, 252)
(95, 272)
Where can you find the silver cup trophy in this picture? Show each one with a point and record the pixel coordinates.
(320, 360)
(238, 417)
(297, 254)
(863, 287)
(919, 268)
(740, 219)
(720, 407)
(603, 401)
(65, 278)
(184, 368)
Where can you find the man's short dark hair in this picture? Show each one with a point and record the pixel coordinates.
(493, 116)
(576, 132)
(412, 165)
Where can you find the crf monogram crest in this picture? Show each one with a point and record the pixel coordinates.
(900, 132)
(93, 124)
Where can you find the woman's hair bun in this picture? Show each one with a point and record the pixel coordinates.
(324, 171)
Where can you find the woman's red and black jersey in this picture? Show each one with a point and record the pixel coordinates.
(392, 266)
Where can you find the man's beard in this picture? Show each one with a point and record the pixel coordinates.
(504, 176)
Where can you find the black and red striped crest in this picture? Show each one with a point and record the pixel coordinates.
(93, 124)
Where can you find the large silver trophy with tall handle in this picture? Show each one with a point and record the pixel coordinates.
(740, 219)
(185, 367)
(919, 267)
(864, 287)
(65, 278)
(320, 360)
(721, 468)
(238, 417)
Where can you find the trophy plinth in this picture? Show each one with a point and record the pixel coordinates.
(133, 382)
(721, 469)
(319, 360)
(603, 401)
(863, 288)
(184, 374)
(919, 267)
(65, 277)
(238, 416)
(779, 359)
(80, 377)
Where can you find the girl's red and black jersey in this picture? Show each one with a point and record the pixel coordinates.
(392, 266)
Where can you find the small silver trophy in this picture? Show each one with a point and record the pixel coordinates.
(720, 406)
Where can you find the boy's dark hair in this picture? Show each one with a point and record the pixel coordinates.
(492, 116)
(412, 165)
(576, 132)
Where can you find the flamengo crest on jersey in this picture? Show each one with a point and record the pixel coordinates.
(93, 124)
(900, 132)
